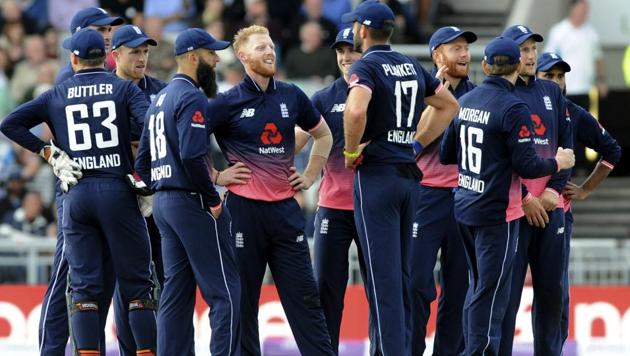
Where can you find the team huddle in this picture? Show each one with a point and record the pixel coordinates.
(414, 162)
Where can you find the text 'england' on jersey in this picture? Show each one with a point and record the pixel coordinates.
(94, 116)
(398, 85)
(256, 127)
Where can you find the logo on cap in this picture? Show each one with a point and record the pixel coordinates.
(102, 10)
(523, 29)
(553, 55)
(137, 29)
(346, 32)
(455, 28)
(367, 22)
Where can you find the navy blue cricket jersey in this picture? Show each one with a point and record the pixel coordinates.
(551, 129)
(491, 141)
(335, 189)
(175, 141)
(257, 128)
(93, 116)
(398, 85)
(589, 132)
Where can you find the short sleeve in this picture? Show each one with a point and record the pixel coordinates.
(308, 117)
(361, 75)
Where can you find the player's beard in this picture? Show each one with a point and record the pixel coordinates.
(358, 44)
(207, 78)
(456, 71)
(260, 68)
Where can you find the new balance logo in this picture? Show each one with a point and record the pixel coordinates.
(300, 238)
(415, 230)
(160, 100)
(560, 230)
(240, 242)
(323, 229)
(247, 113)
(338, 107)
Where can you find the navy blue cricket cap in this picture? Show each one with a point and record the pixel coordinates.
(548, 60)
(520, 34)
(131, 36)
(371, 13)
(194, 38)
(447, 34)
(344, 36)
(93, 16)
(86, 43)
(502, 46)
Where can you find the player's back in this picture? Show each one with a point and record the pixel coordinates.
(486, 179)
(164, 120)
(398, 85)
(92, 120)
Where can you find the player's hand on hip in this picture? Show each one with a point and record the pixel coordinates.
(137, 184)
(237, 173)
(549, 200)
(573, 191)
(535, 213)
(299, 181)
(67, 179)
(565, 158)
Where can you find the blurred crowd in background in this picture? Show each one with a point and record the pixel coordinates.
(31, 54)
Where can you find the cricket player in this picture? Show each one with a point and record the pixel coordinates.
(197, 244)
(385, 96)
(541, 243)
(590, 133)
(254, 124)
(334, 222)
(130, 49)
(491, 141)
(94, 116)
(53, 322)
(436, 226)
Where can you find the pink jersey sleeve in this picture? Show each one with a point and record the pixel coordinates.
(434, 173)
(335, 189)
(537, 186)
(514, 209)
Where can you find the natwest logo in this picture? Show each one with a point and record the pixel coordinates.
(271, 135)
(539, 127)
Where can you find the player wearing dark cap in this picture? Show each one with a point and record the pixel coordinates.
(590, 133)
(96, 19)
(94, 116)
(491, 141)
(541, 243)
(436, 227)
(53, 323)
(334, 222)
(197, 244)
(385, 95)
(130, 49)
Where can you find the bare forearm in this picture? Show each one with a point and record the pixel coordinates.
(432, 124)
(354, 127)
(598, 175)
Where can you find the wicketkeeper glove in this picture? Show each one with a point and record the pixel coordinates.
(67, 170)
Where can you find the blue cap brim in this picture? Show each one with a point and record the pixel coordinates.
(535, 36)
(138, 42)
(565, 66)
(348, 17)
(67, 43)
(340, 42)
(109, 20)
(218, 45)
